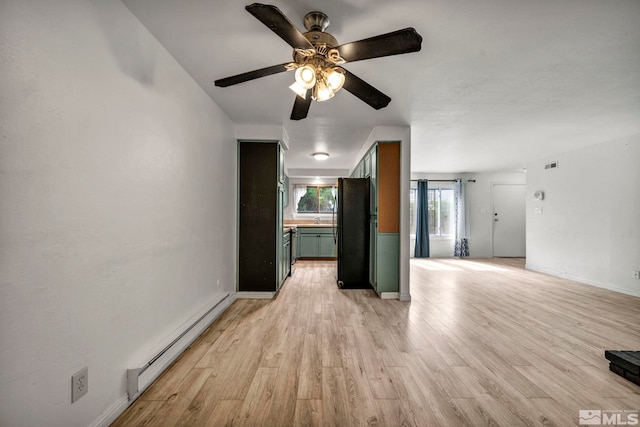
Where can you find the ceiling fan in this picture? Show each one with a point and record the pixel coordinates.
(317, 59)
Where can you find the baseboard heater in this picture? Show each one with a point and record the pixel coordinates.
(133, 375)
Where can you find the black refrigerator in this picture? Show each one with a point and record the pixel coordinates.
(352, 232)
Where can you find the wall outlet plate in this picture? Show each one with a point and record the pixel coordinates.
(636, 274)
(79, 384)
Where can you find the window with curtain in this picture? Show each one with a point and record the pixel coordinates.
(316, 199)
(441, 213)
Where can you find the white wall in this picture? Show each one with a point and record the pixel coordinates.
(480, 209)
(117, 204)
(589, 227)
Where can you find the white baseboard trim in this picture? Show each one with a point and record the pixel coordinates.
(163, 362)
(389, 295)
(598, 284)
(256, 295)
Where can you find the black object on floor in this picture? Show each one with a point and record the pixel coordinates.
(624, 363)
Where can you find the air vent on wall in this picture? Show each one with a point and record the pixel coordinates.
(551, 165)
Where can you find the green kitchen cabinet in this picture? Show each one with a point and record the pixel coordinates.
(286, 191)
(373, 243)
(307, 244)
(281, 174)
(285, 258)
(326, 245)
(373, 181)
(316, 242)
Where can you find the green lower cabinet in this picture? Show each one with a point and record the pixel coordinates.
(326, 246)
(316, 242)
(307, 245)
(285, 258)
(388, 261)
(373, 237)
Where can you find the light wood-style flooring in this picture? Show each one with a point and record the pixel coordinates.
(483, 342)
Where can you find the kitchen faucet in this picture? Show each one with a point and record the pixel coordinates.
(317, 220)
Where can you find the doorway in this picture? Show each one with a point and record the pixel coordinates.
(509, 210)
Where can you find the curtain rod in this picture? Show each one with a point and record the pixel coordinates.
(441, 180)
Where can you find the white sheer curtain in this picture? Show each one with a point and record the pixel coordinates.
(299, 190)
(461, 248)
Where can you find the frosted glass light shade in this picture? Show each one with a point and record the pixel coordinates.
(299, 90)
(322, 92)
(320, 156)
(306, 76)
(335, 79)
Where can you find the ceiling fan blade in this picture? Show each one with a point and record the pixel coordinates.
(301, 107)
(250, 75)
(397, 42)
(365, 91)
(279, 24)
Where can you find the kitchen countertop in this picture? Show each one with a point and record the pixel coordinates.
(289, 227)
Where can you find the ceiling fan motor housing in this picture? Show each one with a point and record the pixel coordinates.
(321, 38)
(315, 23)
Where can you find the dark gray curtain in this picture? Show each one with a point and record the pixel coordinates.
(422, 221)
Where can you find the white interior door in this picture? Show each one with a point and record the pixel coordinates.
(509, 220)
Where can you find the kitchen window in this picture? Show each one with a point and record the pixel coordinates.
(318, 199)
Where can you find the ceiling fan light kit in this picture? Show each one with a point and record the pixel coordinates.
(317, 57)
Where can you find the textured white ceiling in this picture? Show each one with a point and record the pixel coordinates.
(497, 83)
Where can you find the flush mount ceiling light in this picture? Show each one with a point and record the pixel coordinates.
(320, 156)
(317, 59)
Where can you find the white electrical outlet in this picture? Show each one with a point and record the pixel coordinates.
(636, 274)
(79, 384)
